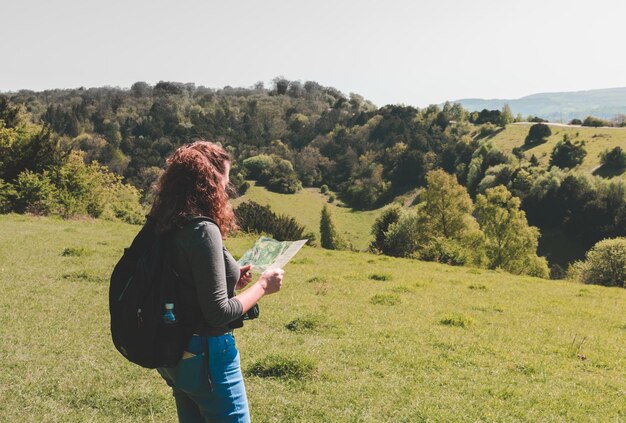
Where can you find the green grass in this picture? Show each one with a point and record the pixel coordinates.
(535, 350)
(306, 207)
(597, 140)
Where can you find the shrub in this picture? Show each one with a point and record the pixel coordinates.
(259, 167)
(605, 264)
(537, 134)
(274, 172)
(35, 193)
(405, 236)
(447, 251)
(595, 122)
(381, 226)
(614, 158)
(76, 189)
(576, 122)
(568, 155)
(284, 179)
(7, 195)
(253, 217)
(283, 367)
(487, 130)
(324, 189)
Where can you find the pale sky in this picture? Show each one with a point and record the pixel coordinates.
(411, 52)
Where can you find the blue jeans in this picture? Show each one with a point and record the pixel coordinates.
(195, 401)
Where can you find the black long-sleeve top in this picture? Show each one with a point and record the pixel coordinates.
(210, 273)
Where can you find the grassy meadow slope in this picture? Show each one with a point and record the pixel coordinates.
(306, 207)
(385, 339)
(597, 140)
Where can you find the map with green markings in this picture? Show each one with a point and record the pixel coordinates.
(267, 253)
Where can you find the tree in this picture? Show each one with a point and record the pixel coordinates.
(366, 186)
(447, 205)
(537, 134)
(510, 243)
(330, 239)
(568, 155)
(507, 115)
(284, 178)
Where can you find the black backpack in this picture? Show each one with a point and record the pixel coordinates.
(142, 282)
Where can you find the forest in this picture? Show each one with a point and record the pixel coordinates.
(97, 151)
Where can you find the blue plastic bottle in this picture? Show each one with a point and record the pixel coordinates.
(168, 316)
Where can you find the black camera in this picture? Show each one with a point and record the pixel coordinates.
(253, 313)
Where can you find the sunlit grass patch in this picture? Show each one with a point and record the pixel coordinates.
(525, 369)
(401, 289)
(322, 288)
(304, 324)
(380, 277)
(83, 275)
(478, 287)
(304, 260)
(385, 299)
(283, 367)
(75, 252)
(316, 279)
(456, 320)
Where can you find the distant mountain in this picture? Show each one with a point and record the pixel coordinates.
(604, 103)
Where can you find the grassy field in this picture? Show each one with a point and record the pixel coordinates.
(597, 140)
(306, 207)
(368, 338)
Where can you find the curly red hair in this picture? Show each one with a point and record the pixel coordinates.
(192, 185)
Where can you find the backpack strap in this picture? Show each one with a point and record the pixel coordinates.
(195, 219)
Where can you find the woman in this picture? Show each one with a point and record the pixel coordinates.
(195, 183)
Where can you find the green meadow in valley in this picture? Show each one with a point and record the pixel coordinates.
(596, 141)
(352, 337)
(306, 206)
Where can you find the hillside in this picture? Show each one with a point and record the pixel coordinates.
(306, 207)
(386, 339)
(597, 140)
(559, 106)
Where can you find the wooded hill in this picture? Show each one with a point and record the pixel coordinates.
(295, 134)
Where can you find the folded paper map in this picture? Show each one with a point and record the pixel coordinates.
(267, 253)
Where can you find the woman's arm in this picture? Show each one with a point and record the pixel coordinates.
(209, 276)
